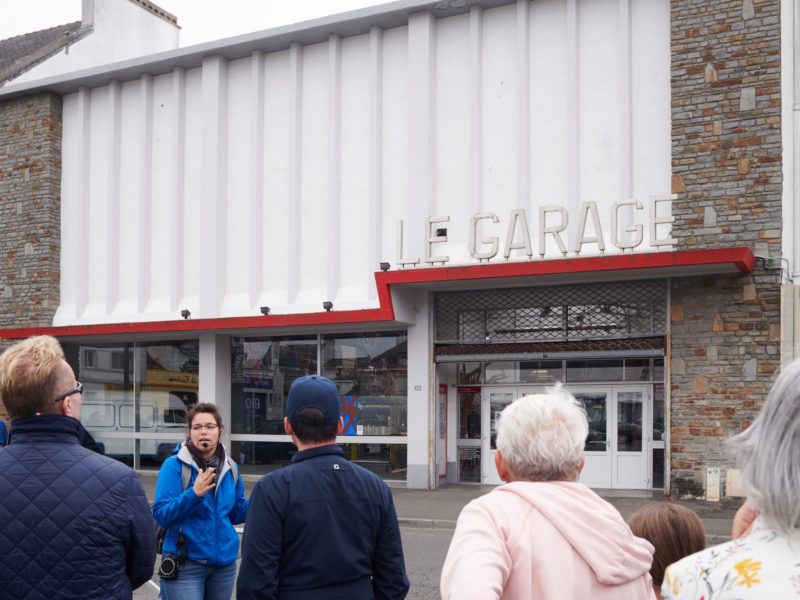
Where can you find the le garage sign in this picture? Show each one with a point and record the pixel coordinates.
(553, 221)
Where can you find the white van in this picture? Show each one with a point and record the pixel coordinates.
(106, 415)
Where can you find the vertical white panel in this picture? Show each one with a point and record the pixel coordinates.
(475, 58)
(97, 204)
(129, 199)
(650, 103)
(356, 171)
(256, 176)
(452, 128)
(375, 193)
(213, 218)
(160, 225)
(395, 137)
(240, 247)
(281, 145)
(550, 114)
(178, 162)
(315, 218)
(295, 170)
(112, 224)
(422, 135)
(573, 118)
(192, 274)
(523, 102)
(500, 98)
(601, 117)
(335, 149)
(145, 187)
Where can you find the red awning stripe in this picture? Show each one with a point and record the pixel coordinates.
(740, 258)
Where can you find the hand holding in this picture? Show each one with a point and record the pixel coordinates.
(204, 482)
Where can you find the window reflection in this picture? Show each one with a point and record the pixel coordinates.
(262, 371)
(138, 389)
(370, 371)
(595, 406)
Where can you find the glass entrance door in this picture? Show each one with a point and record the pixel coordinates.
(616, 448)
(494, 401)
(629, 444)
(597, 450)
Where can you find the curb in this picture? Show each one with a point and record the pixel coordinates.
(426, 523)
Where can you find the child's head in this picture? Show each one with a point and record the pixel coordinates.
(674, 530)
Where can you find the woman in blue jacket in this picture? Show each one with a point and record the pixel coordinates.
(199, 498)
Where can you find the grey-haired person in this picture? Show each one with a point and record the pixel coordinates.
(322, 527)
(763, 558)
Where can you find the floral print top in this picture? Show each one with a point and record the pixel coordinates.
(764, 564)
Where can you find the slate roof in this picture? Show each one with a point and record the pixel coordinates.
(23, 52)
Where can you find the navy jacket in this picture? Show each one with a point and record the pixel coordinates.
(73, 523)
(322, 528)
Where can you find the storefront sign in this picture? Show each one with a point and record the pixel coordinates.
(553, 221)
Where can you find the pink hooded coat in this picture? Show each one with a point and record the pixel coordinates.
(543, 541)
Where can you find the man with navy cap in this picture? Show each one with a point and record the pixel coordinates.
(323, 527)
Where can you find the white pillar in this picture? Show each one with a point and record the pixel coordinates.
(421, 396)
(215, 377)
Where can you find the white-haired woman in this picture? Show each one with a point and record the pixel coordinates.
(543, 535)
(763, 559)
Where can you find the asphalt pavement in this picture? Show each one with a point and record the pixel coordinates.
(428, 517)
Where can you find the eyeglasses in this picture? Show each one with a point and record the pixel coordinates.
(208, 427)
(78, 390)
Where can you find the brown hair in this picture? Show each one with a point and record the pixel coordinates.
(674, 530)
(203, 407)
(30, 377)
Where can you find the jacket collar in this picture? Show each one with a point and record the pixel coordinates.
(51, 428)
(328, 449)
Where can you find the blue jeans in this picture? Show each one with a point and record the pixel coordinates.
(200, 582)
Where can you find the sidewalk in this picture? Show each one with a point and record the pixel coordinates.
(440, 508)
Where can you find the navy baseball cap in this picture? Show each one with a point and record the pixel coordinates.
(313, 391)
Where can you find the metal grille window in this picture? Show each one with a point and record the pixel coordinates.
(550, 314)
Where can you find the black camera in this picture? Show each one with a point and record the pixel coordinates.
(168, 569)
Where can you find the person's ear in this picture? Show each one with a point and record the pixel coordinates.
(340, 427)
(502, 467)
(66, 406)
(287, 427)
(581, 464)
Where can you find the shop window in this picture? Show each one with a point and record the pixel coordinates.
(637, 369)
(469, 415)
(541, 371)
(370, 371)
(470, 373)
(658, 369)
(262, 371)
(469, 464)
(658, 412)
(594, 370)
(139, 388)
(500, 372)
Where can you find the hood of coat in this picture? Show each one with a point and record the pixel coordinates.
(185, 456)
(592, 526)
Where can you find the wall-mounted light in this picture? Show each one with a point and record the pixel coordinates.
(185, 313)
(385, 266)
(265, 310)
(327, 305)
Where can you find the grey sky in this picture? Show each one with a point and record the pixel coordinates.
(200, 20)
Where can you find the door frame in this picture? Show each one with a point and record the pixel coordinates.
(489, 474)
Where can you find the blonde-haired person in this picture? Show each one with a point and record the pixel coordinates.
(542, 534)
(675, 532)
(761, 561)
(75, 524)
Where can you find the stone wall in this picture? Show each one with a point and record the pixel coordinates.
(30, 220)
(726, 165)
